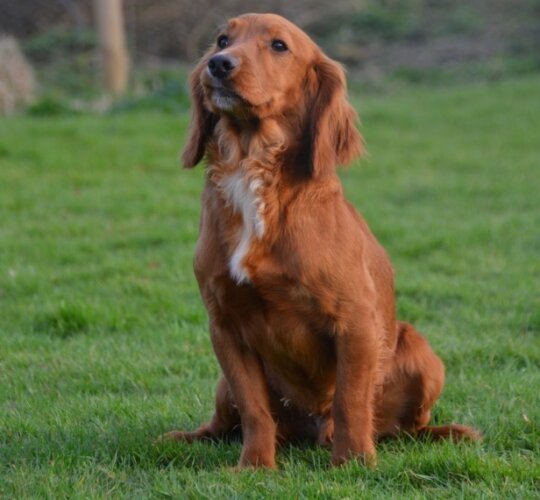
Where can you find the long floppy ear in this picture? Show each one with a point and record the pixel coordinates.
(202, 121)
(331, 137)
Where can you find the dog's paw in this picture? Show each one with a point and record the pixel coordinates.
(367, 458)
(176, 436)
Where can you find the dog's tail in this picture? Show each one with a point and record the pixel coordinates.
(452, 432)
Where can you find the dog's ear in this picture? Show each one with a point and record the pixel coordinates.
(202, 121)
(331, 137)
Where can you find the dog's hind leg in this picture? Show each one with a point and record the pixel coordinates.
(413, 385)
(225, 422)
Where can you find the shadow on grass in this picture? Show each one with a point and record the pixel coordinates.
(124, 445)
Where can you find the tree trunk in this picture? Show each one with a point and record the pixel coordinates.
(115, 60)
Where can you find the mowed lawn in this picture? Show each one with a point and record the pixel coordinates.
(103, 337)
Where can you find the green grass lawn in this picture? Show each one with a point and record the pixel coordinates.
(103, 337)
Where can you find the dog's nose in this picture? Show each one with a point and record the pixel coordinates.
(222, 65)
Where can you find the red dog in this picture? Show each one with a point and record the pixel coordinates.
(299, 293)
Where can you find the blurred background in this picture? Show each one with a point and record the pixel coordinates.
(51, 57)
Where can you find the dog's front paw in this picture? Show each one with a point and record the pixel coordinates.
(366, 456)
(326, 433)
(257, 459)
(259, 449)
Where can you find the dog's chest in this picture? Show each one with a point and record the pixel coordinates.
(244, 196)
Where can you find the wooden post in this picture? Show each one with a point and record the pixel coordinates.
(115, 60)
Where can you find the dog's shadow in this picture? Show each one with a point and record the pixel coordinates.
(121, 443)
(214, 454)
(199, 455)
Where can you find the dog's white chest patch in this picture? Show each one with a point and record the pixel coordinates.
(245, 199)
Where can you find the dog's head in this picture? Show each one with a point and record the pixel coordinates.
(262, 66)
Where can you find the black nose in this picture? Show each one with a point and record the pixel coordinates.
(221, 65)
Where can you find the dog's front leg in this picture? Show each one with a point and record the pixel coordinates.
(248, 385)
(352, 409)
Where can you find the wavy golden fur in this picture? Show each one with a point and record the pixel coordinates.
(299, 293)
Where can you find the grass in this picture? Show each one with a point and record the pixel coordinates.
(103, 337)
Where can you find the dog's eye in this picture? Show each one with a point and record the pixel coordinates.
(223, 41)
(279, 45)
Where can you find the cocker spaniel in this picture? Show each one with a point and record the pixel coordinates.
(299, 293)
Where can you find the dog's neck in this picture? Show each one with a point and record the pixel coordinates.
(244, 166)
(256, 150)
(248, 169)
(267, 147)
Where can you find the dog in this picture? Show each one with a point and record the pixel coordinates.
(299, 293)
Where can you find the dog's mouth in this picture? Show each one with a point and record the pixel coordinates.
(224, 99)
